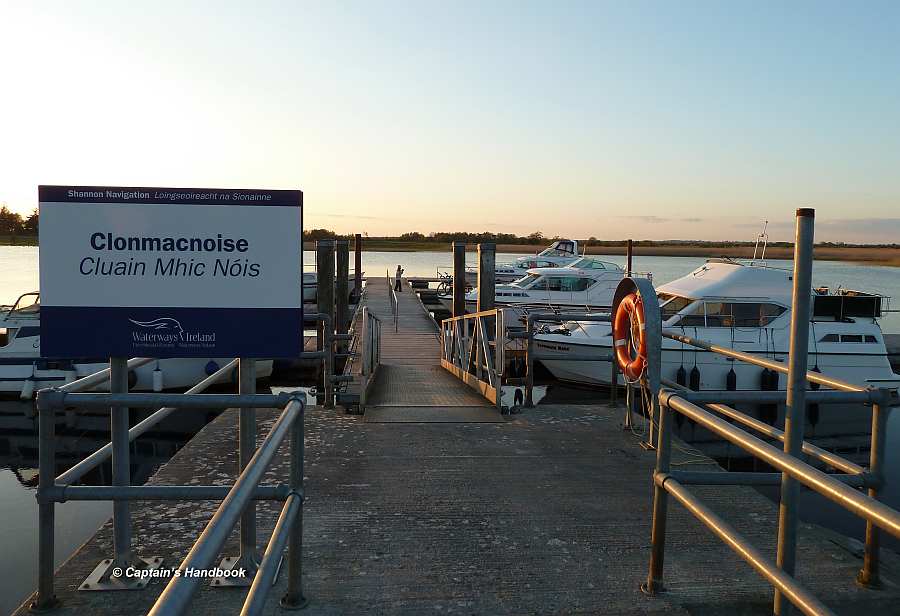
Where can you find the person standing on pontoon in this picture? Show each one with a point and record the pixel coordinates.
(397, 276)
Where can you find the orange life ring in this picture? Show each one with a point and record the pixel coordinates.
(629, 334)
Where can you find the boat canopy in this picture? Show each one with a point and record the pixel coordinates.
(732, 280)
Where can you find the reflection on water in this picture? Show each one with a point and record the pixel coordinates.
(77, 436)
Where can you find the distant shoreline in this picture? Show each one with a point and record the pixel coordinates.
(874, 255)
(856, 254)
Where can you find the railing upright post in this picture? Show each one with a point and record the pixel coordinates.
(795, 407)
(46, 598)
(529, 362)
(294, 598)
(499, 355)
(121, 465)
(249, 556)
(613, 382)
(660, 503)
(629, 402)
(869, 575)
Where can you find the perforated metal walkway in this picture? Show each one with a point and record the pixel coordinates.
(411, 385)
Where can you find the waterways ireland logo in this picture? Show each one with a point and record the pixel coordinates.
(168, 332)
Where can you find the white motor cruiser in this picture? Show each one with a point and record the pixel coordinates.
(560, 253)
(746, 307)
(587, 284)
(23, 371)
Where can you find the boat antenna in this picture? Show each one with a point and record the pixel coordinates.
(764, 237)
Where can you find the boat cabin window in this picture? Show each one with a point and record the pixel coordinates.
(734, 314)
(670, 305)
(851, 338)
(720, 314)
(560, 249)
(526, 281)
(533, 263)
(830, 338)
(6, 336)
(564, 283)
(587, 263)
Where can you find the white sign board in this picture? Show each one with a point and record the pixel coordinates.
(170, 272)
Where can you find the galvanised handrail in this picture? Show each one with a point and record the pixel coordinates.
(179, 592)
(102, 376)
(468, 352)
(793, 470)
(101, 455)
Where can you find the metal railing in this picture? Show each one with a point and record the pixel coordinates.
(56, 489)
(473, 348)
(113, 574)
(666, 398)
(395, 306)
(370, 356)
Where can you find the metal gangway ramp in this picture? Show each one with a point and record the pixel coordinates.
(411, 385)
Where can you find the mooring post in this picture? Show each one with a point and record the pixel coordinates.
(46, 598)
(795, 407)
(325, 300)
(869, 575)
(487, 257)
(459, 279)
(121, 464)
(357, 267)
(248, 558)
(486, 291)
(293, 598)
(629, 253)
(342, 292)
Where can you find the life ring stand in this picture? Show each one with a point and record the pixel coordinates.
(629, 326)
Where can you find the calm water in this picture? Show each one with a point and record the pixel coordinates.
(76, 522)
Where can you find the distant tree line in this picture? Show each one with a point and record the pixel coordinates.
(445, 237)
(12, 223)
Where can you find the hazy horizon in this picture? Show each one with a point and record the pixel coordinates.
(691, 120)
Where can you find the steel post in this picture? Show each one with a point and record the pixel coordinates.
(869, 576)
(248, 556)
(459, 279)
(342, 292)
(795, 408)
(102, 578)
(660, 504)
(325, 299)
(357, 267)
(613, 382)
(529, 362)
(294, 598)
(46, 598)
(121, 465)
(629, 403)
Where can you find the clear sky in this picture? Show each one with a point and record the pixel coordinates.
(610, 119)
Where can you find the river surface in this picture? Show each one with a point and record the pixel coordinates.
(77, 521)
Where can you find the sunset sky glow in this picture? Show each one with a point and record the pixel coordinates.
(692, 120)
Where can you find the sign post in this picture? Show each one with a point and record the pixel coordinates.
(169, 272)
